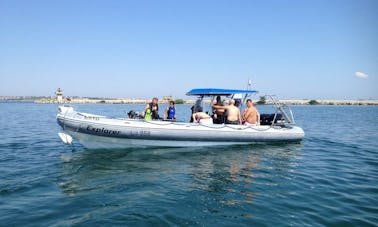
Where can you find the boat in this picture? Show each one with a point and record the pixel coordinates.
(97, 131)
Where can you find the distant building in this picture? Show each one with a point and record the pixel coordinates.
(168, 98)
(59, 95)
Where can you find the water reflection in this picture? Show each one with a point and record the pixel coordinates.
(234, 177)
(210, 179)
(204, 166)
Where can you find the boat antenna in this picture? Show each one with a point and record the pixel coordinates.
(249, 85)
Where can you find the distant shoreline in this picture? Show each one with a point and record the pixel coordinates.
(78, 100)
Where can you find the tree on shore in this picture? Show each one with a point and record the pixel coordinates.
(313, 102)
(179, 101)
(262, 100)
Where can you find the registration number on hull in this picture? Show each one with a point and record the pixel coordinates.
(140, 133)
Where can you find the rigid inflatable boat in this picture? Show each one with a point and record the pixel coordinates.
(96, 131)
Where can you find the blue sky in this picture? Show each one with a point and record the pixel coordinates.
(293, 49)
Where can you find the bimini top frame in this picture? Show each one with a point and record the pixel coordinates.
(201, 93)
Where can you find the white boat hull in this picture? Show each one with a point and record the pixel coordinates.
(98, 142)
(93, 131)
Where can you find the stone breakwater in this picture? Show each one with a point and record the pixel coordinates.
(330, 102)
(143, 101)
(95, 101)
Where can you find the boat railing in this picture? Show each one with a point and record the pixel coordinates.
(283, 109)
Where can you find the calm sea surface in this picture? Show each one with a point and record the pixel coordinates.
(330, 179)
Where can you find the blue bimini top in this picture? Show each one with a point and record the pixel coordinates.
(217, 91)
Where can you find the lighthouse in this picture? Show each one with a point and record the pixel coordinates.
(59, 95)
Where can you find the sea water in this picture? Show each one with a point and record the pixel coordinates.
(329, 179)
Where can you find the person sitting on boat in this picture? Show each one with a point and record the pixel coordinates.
(195, 108)
(218, 116)
(233, 113)
(202, 118)
(237, 103)
(251, 115)
(170, 111)
(151, 111)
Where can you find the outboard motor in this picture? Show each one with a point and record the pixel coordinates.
(133, 115)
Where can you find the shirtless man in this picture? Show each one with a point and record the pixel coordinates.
(203, 118)
(251, 115)
(233, 113)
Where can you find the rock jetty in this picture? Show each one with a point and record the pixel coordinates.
(143, 101)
